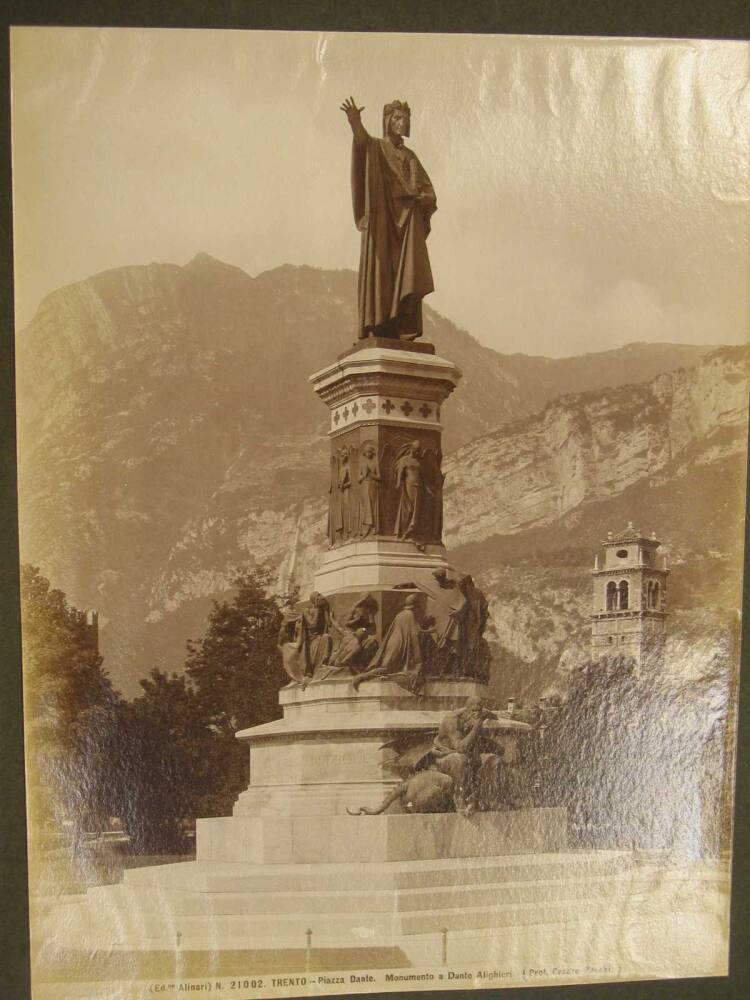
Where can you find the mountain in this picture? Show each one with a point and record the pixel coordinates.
(168, 436)
(212, 328)
(527, 507)
(669, 454)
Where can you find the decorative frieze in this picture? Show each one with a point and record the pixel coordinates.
(403, 410)
(386, 477)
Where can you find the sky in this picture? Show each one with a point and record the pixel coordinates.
(590, 192)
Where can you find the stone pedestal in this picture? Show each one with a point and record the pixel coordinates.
(369, 565)
(383, 399)
(329, 750)
(332, 749)
(309, 840)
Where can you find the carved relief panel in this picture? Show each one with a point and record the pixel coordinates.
(385, 482)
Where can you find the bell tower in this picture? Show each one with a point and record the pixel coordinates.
(629, 599)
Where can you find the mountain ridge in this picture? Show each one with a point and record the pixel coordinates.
(168, 435)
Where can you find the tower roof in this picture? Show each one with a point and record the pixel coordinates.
(631, 534)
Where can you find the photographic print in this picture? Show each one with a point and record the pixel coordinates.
(382, 437)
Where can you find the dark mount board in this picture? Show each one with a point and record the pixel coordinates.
(636, 18)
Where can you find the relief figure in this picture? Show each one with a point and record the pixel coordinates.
(457, 752)
(369, 491)
(412, 490)
(344, 486)
(462, 650)
(306, 639)
(405, 651)
(334, 504)
(357, 642)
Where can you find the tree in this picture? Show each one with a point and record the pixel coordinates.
(162, 764)
(236, 674)
(70, 711)
(170, 754)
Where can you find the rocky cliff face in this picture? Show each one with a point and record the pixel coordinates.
(669, 454)
(168, 437)
(592, 446)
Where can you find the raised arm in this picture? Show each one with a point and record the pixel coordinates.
(353, 114)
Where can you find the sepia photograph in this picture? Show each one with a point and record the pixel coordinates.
(382, 422)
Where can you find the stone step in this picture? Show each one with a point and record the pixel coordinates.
(440, 898)
(228, 877)
(516, 914)
(141, 929)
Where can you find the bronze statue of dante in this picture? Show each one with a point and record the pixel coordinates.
(393, 200)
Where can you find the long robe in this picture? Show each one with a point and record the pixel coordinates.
(410, 483)
(394, 268)
(305, 655)
(369, 505)
(344, 486)
(401, 657)
(401, 648)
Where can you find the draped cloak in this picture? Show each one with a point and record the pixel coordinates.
(306, 655)
(410, 483)
(401, 656)
(401, 648)
(394, 268)
(369, 505)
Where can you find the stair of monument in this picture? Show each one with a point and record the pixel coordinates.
(142, 928)
(220, 905)
(215, 876)
(377, 901)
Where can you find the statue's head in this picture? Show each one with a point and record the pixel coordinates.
(368, 604)
(396, 119)
(369, 451)
(415, 447)
(416, 604)
(475, 708)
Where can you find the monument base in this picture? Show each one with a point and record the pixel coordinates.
(369, 564)
(397, 837)
(332, 749)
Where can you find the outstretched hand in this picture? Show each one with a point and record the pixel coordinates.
(351, 110)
